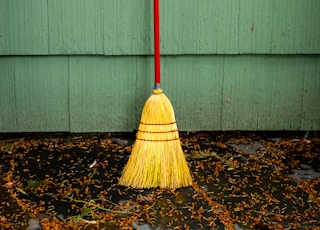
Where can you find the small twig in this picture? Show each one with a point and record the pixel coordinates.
(98, 206)
(93, 173)
(93, 164)
(89, 221)
(269, 213)
(110, 202)
(22, 191)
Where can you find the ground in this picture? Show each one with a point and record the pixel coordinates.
(242, 180)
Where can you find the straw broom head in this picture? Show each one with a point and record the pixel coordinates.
(157, 158)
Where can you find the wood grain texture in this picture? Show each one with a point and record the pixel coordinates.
(209, 92)
(102, 94)
(8, 112)
(195, 89)
(128, 27)
(279, 27)
(42, 86)
(76, 26)
(113, 27)
(23, 27)
(310, 106)
(262, 103)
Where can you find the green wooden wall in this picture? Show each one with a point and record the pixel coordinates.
(87, 66)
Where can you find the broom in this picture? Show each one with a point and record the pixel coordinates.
(157, 158)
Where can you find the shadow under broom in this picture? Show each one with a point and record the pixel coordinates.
(157, 158)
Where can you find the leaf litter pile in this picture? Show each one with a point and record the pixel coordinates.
(241, 181)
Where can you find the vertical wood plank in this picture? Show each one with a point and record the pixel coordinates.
(23, 27)
(279, 27)
(144, 83)
(76, 26)
(114, 27)
(209, 26)
(239, 105)
(102, 94)
(295, 27)
(128, 27)
(255, 26)
(244, 92)
(310, 109)
(283, 93)
(262, 94)
(284, 27)
(42, 94)
(8, 113)
(195, 89)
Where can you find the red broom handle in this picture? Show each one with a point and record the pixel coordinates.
(156, 43)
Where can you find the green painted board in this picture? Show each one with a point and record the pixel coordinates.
(195, 88)
(102, 93)
(310, 106)
(113, 27)
(262, 103)
(8, 112)
(86, 66)
(245, 92)
(299, 28)
(279, 26)
(23, 27)
(206, 27)
(128, 27)
(75, 26)
(42, 96)
(208, 92)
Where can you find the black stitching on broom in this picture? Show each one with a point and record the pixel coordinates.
(158, 140)
(170, 131)
(157, 124)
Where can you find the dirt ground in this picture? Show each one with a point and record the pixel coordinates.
(242, 180)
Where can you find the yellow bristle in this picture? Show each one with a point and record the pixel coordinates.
(157, 158)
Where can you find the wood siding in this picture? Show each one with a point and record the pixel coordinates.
(87, 66)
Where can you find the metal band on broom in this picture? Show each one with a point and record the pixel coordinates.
(157, 158)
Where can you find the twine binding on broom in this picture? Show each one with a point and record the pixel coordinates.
(157, 158)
